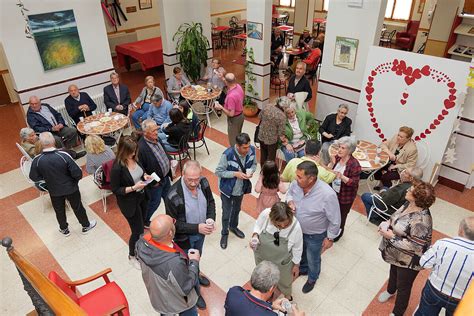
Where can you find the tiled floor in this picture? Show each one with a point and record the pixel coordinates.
(352, 271)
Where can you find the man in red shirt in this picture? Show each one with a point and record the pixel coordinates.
(233, 107)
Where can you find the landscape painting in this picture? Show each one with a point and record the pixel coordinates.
(57, 39)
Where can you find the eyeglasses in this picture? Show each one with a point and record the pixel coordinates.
(276, 235)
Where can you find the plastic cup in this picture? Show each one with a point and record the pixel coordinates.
(192, 251)
(377, 159)
(249, 172)
(254, 242)
(384, 226)
(286, 304)
(210, 222)
(81, 119)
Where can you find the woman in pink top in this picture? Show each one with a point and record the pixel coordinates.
(268, 185)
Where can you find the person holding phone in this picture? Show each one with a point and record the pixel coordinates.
(127, 180)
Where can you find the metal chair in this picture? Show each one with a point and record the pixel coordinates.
(183, 151)
(387, 39)
(198, 136)
(277, 83)
(378, 207)
(102, 179)
(23, 152)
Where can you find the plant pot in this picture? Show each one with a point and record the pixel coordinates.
(250, 111)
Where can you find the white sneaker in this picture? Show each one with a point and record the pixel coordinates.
(134, 262)
(92, 224)
(384, 296)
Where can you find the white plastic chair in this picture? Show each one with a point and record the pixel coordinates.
(300, 98)
(424, 154)
(25, 166)
(23, 151)
(378, 207)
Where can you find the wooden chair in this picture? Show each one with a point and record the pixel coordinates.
(108, 299)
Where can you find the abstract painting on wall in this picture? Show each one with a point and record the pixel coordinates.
(57, 39)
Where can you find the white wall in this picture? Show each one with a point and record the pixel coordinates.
(23, 58)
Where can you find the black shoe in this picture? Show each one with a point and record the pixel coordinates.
(204, 281)
(308, 286)
(238, 232)
(80, 154)
(224, 241)
(201, 303)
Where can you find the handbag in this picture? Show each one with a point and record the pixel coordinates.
(247, 187)
(255, 135)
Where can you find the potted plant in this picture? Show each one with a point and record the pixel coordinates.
(191, 46)
(250, 106)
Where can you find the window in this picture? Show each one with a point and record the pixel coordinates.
(398, 9)
(288, 3)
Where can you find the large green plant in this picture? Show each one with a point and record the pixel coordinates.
(250, 79)
(192, 47)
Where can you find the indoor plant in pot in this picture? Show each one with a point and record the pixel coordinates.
(191, 46)
(250, 106)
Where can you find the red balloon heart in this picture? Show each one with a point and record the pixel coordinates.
(371, 114)
(408, 71)
(371, 78)
(378, 130)
(427, 131)
(370, 84)
(382, 136)
(369, 90)
(368, 97)
(452, 97)
(422, 135)
(402, 101)
(369, 104)
(409, 80)
(425, 70)
(370, 110)
(373, 120)
(376, 125)
(449, 104)
(417, 138)
(452, 91)
(416, 74)
(440, 117)
(451, 84)
(374, 73)
(432, 126)
(405, 95)
(444, 112)
(436, 122)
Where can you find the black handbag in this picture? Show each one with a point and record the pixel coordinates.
(247, 187)
(255, 136)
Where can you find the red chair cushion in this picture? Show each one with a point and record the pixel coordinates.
(103, 299)
(56, 279)
(404, 40)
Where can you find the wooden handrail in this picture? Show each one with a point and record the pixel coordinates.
(54, 297)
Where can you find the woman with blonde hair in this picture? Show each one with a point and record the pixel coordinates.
(143, 102)
(97, 153)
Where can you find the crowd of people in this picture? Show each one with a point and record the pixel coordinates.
(320, 186)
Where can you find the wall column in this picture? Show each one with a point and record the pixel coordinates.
(260, 11)
(172, 14)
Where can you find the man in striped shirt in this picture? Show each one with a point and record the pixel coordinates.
(452, 264)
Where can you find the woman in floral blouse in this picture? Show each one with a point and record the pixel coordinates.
(272, 127)
(406, 236)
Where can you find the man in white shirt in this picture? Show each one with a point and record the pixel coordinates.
(452, 268)
(317, 209)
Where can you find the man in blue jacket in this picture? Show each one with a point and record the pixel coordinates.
(61, 176)
(160, 110)
(41, 117)
(78, 103)
(236, 167)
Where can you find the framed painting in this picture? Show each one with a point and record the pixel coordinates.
(57, 39)
(345, 53)
(255, 30)
(145, 4)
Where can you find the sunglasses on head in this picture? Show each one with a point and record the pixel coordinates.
(276, 235)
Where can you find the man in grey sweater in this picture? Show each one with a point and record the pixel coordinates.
(170, 276)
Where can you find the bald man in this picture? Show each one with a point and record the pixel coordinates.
(452, 266)
(41, 117)
(233, 107)
(78, 103)
(170, 276)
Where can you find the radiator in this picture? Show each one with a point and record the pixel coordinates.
(121, 38)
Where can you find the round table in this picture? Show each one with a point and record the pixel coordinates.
(195, 94)
(365, 153)
(103, 124)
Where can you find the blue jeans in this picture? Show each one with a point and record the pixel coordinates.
(367, 200)
(164, 141)
(197, 242)
(141, 113)
(156, 193)
(230, 212)
(289, 156)
(311, 258)
(431, 302)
